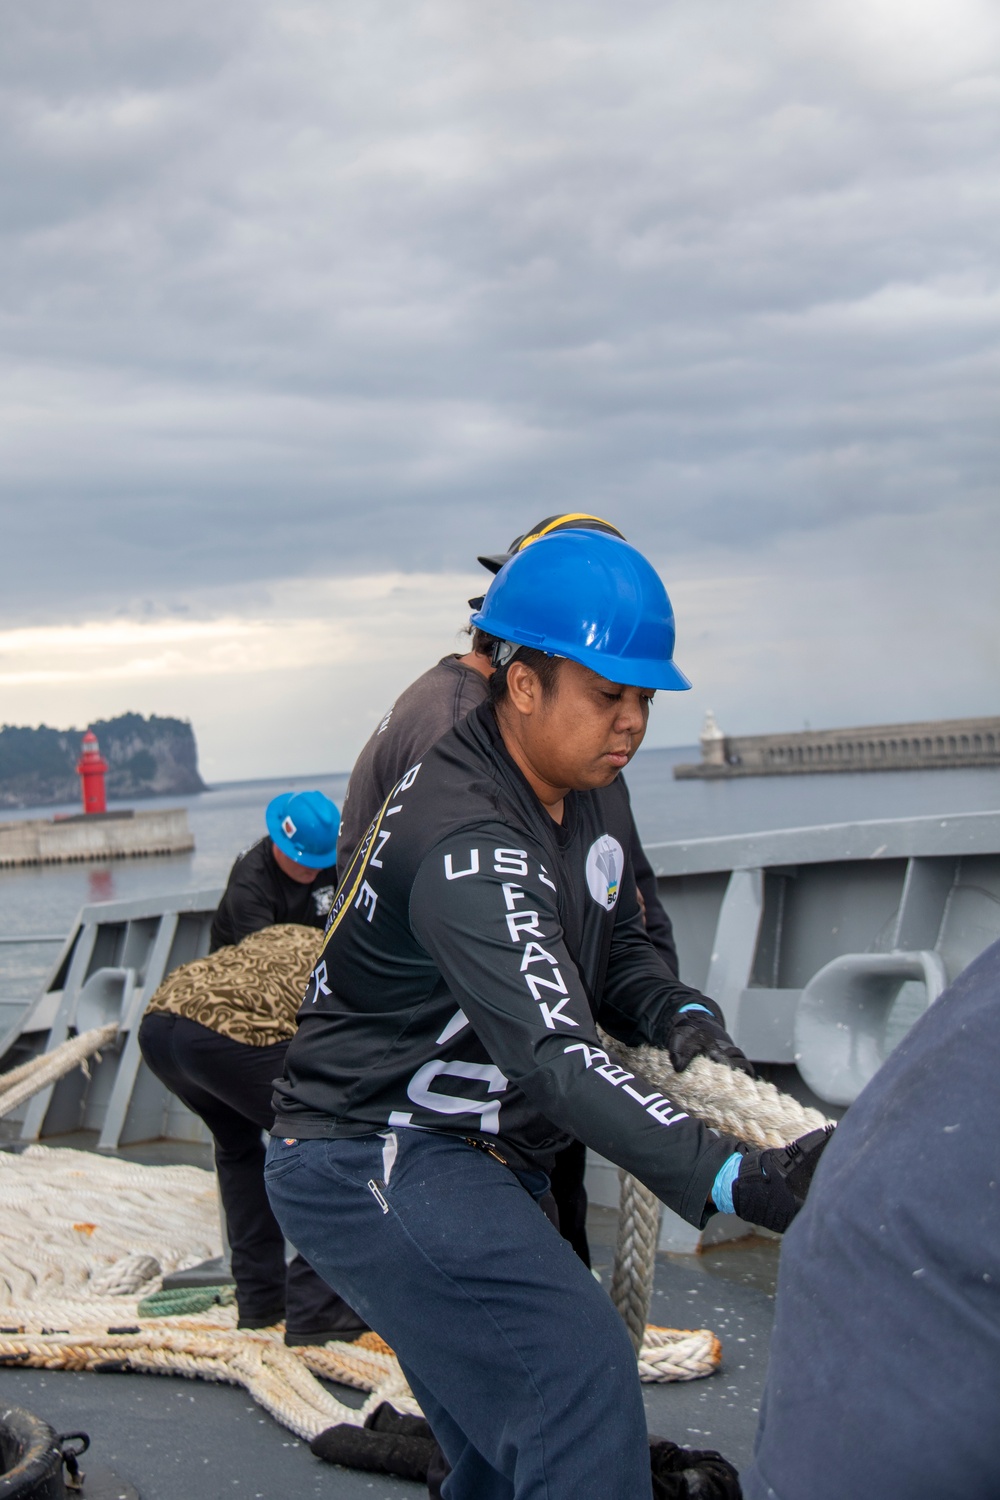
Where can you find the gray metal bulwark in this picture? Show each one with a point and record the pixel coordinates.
(121, 951)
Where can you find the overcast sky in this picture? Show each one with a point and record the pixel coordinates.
(304, 304)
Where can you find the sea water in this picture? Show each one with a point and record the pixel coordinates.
(45, 900)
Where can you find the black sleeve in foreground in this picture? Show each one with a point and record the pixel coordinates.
(487, 916)
(658, 924)
(641, 996)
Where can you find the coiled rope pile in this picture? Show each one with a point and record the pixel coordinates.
(85, 1239)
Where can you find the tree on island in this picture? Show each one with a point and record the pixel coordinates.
(146, 758)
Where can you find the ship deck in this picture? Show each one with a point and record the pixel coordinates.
(176, 1439)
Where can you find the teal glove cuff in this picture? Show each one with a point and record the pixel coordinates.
(722, 1187)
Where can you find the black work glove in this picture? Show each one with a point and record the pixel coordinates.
(690, 1473)
(771, 1185)
(695, 1033)
(375, 1452)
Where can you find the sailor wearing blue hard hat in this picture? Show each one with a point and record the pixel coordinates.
(447, 1048)
(289, 876)
(438, 700)
(588, 597)
(223, 1059)
(303, 826)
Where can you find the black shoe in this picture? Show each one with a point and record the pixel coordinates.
(325, 1336)
(262, 1320)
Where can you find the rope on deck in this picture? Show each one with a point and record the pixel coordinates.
(84, 1243)
(163, 1218)
(281, 1380)
(723, 1098)
(31, 1077)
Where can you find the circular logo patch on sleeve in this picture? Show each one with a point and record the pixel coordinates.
(605, 863)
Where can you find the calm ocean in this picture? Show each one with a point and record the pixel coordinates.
(226, 819)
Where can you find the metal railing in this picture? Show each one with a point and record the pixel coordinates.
(36, 937)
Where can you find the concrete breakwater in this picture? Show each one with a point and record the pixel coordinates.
(941, 743)
(102, 836)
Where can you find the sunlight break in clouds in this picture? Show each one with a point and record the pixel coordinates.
(295, 687)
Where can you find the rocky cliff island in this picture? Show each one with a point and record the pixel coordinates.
(146, 758)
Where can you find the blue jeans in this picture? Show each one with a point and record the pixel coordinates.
(521, 1364)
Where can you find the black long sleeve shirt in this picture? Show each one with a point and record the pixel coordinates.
(438, 700)
(473, 946)
(259, 893)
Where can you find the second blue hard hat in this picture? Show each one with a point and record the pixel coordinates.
(304, 825)
(567, 520)
(592, 598)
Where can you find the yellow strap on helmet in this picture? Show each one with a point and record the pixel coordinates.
(566, 521)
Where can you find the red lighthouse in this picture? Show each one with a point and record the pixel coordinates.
(91, 768)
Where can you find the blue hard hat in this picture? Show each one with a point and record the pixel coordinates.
(592, 598)
(304, 826)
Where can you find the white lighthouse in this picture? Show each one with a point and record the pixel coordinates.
(712, 741)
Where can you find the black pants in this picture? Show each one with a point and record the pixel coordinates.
(229, 1085)
(571, 1197)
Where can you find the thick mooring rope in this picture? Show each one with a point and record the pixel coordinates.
(83, 1242)
(724, 1098)
(728, 1100)
(84, 1239)
(639, 1213)
(283, 1381)
(20, 1083)
(72, 1224)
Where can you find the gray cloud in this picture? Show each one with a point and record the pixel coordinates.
(309, 289)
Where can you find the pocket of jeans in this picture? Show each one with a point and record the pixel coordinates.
(281, 1159)
(352, 1161)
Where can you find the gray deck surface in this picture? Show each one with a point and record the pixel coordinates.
(176, 1439)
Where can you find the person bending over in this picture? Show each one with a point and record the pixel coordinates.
(217, 1034)
(447, 1046)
